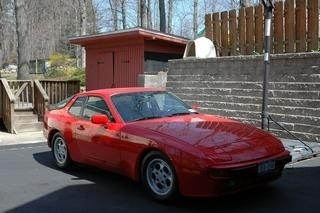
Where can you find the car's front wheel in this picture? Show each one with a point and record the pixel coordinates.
(158, 176)
(60, 151)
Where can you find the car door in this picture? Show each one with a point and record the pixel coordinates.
(99, 143)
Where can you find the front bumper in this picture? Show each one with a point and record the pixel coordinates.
(230, 180)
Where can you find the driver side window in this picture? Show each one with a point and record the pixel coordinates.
(96, 105)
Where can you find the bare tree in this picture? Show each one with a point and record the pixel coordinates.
(143, 14)
(149, 11)
(83, 27)
(170, 14)
(195, 18)
(21, 7)
(138, 12)
(245, 3)
(114, 8)
(162, 11)
(124, 13)
(2, 12)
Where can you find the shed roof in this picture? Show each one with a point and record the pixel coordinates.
(126, 34)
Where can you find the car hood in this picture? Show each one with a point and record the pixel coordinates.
(220, 139)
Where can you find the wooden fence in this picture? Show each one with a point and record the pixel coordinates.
(295, 28)
(7, 100)
(59, 90)
(32, 95)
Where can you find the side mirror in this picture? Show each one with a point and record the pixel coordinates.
(99, 119)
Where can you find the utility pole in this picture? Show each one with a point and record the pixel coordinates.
(268, 7)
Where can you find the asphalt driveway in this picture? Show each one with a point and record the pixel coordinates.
(30, 182)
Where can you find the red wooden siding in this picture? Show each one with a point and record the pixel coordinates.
(115, 59)
(127, 65)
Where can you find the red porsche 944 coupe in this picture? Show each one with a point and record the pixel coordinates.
(153, 137)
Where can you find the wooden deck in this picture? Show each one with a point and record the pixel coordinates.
(31, 95)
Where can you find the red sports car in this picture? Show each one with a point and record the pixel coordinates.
(152, 136)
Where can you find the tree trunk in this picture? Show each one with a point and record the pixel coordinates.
(162, 11)
(114, 10)
(23, 42)
(245, 3)
(83, 26)
(149, 15)
(91, 17)
(195, 18)
(123, 14)
(144, 15)
(1, 32)
(170, 13)
(138, 13)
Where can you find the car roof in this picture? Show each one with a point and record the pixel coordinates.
(117, 91)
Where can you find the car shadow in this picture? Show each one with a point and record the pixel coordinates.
(109, 192)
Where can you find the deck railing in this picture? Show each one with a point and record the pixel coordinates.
(41, 100)
(59, 90)
(23, 93)
(32, 95)
(7, 105)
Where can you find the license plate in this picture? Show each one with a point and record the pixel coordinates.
(266, 167)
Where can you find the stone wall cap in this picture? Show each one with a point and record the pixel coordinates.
(249, 57)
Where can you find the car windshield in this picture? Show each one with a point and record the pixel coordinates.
(149, 105)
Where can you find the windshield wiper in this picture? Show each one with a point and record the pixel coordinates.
(146, 118)
(180, 113)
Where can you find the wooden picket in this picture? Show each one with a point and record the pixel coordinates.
(208, 24)
(224, 34)
(301, 25)
(313, 25)
(249, 30)
(233, 32)
(242, 35)
(216, 36)
(258, 28)
(278, 28)
(289, 26)
(295, 28)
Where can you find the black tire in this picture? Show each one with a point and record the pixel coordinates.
(61, 157)
(160, 183)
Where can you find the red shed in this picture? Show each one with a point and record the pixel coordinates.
(115, 59)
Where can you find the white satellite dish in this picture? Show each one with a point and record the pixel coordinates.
(200, 48)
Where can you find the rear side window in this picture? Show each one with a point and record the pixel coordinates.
(76, 107)
(96, 105)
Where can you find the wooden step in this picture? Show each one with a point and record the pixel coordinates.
(26, 121)
(25, 117)
(28, 127)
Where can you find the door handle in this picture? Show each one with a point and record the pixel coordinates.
(81, 127)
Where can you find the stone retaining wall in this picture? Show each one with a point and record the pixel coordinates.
(232, 86)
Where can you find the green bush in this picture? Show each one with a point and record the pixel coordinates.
(62, 67)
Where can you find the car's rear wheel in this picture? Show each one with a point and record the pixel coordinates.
(158, 176)
(60, 151)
